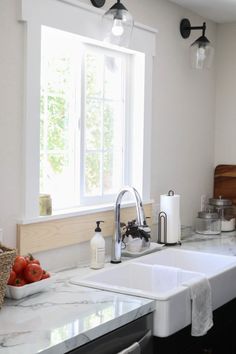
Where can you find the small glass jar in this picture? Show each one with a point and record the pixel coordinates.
(45, 204)
(225, 209)
(208, 223)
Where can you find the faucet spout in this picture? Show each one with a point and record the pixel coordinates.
(141, 221)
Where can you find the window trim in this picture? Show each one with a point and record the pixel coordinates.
(75, 17)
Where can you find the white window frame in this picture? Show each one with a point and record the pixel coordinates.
(76, 41)
(85, 20)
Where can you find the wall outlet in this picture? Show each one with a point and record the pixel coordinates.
(155, 212)
(1, 235)
(204, 202)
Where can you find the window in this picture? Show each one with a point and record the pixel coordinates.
(70, 98)
(84, 120)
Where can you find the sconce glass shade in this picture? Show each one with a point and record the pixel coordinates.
(117, 25)
(201, 54)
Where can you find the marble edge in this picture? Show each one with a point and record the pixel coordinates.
(100, 330)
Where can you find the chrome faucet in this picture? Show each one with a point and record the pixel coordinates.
(141, 221)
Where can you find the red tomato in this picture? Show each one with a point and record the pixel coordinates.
(30, 259)
(45, 274)
(27, 258)
(12, 278)
(19, 264)
(34, 261)
(19, 281)
(33, 272)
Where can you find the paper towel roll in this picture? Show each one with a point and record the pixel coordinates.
(170, 204)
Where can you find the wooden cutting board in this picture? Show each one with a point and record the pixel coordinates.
(225, 182)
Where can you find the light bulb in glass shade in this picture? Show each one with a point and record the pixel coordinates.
(200, 57)
(117, 28)
(201, 53)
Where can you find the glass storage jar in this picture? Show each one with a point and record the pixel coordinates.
(45, 204)
(225, 209)
(208, 223)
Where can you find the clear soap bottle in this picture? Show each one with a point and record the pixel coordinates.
(97, 248)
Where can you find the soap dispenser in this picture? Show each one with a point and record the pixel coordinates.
(97, 248)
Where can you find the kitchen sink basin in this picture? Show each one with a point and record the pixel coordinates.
(219, 269)
(162, 283)
(152, 281)
(207, 263)
(163, 276)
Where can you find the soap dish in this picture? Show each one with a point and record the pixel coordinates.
(153, 247)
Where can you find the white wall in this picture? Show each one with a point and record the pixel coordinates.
(183, 107)
(183, 111)
(225, 129)
(11, 105)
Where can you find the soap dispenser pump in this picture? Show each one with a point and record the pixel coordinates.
(97, 247)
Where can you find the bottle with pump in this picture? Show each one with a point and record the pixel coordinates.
(97, 246)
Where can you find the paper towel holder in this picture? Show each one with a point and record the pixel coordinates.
(162, 226)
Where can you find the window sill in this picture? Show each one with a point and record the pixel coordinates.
(70, 213)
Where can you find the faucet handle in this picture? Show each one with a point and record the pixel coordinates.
(145, 221)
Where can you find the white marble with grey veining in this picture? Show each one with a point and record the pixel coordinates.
(225, 243)
(64, 317)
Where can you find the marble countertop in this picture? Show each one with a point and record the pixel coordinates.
(64, 317)
(225, 243)
(67, 316)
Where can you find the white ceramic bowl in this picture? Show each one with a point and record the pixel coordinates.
(18, 292)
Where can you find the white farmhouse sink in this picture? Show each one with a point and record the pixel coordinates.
(161, 283)
(161, 276)
(219, 269)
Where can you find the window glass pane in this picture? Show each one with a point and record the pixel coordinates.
(113, 125)
(108, 126)
(57, 109)
(113, 147)
(113, 78)
(57, 119)
(81, 163)
(92, 174)
(112, 172)
(93, 138)
(94, 75)
(104, 126)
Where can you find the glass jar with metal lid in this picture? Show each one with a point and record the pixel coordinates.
(208, 223)
(225, 209)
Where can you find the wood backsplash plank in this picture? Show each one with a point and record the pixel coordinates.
(48, 235)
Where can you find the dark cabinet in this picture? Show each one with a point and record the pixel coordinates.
(221, 339)
(138, 331)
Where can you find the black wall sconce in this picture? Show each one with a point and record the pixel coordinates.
(98, 3)
(117, 23)
(201, 51)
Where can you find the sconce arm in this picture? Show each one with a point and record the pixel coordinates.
(186, 28)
